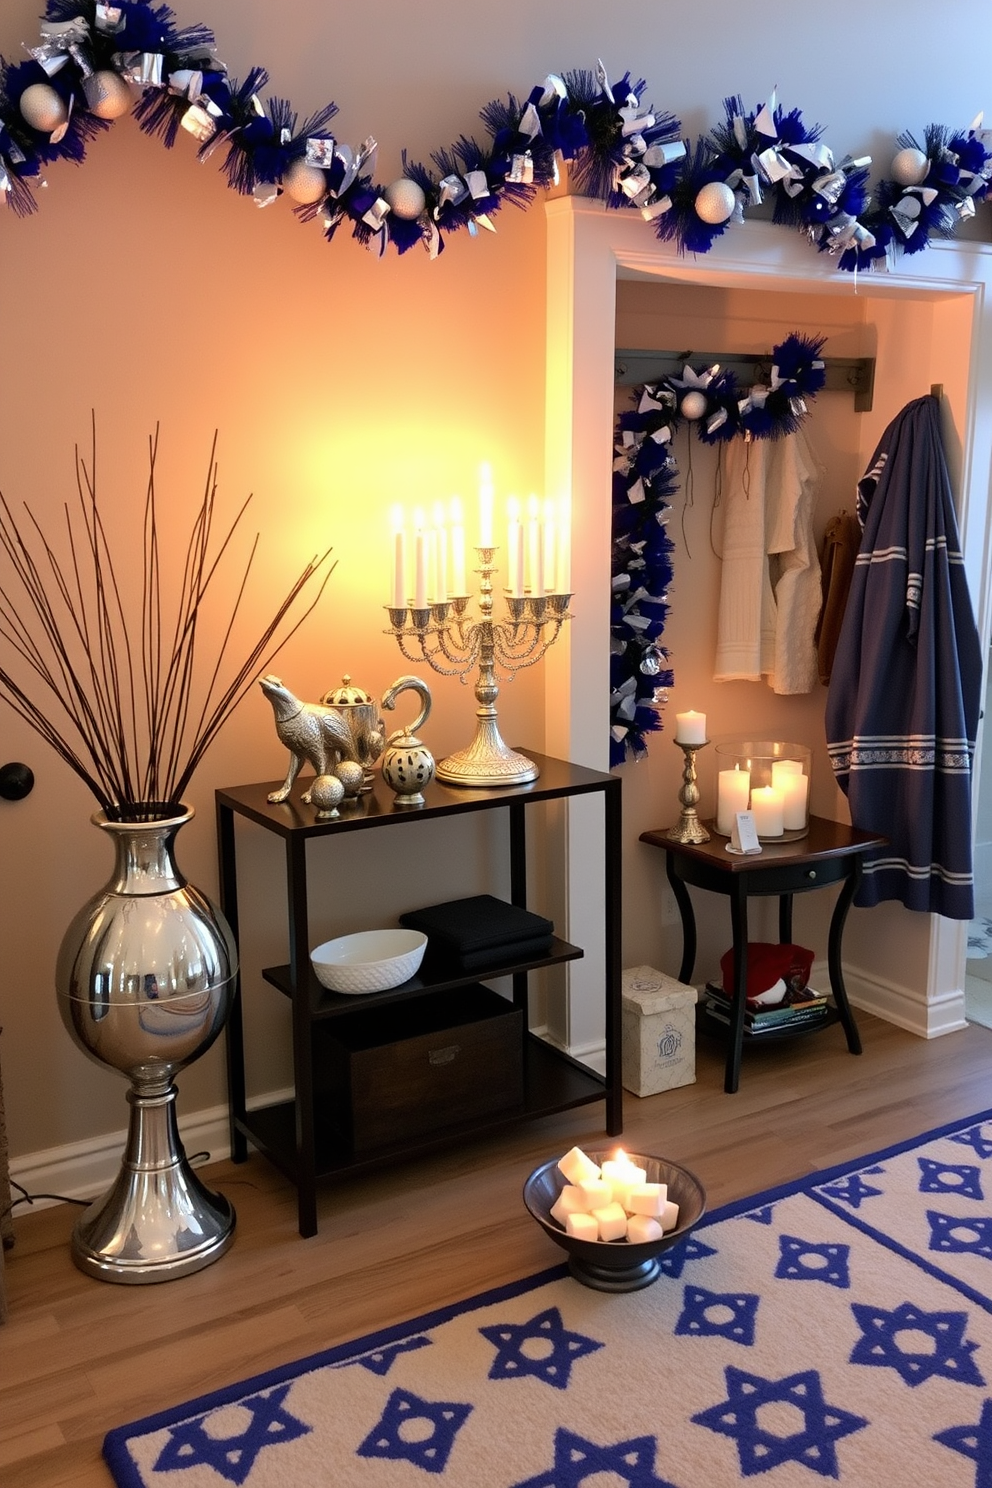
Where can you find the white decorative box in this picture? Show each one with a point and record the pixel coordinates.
(659, 1031)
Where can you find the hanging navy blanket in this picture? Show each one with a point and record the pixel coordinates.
(904, 697)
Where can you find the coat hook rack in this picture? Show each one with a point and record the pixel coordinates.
(843, 374)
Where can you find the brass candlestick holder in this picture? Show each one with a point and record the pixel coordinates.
(689, 828)
(454, 646)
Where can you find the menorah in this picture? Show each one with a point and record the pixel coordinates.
(442, 634)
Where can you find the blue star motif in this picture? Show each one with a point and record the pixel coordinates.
(852, 1189)
(400, 1434)
(758, 1450)
(949, 1356)
(802, 1260)
(673, 1260)
(553, 1349)
(577, 1460)
(190, 1444)
(764, 1215)
(974, 1442)
(380, 1361)
(952, 1235)
(718, 1315)
(965, 1179)
(975, 1139)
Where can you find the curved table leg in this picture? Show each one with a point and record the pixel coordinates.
(738, 920)
(684, 903)
(834, 963)
(785, 919)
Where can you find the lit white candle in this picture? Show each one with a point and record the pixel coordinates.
(457, 547)
(783, 767)
(563, 565)
(767, 808)
(550, 547)
(733, 787)
(514, 548)
(795, 792)
(485, 506)
(399, 560)
(690, 727)
(535, 556)
(441, 590)
(420, 561)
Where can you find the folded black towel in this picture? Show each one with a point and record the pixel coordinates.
(516, 950)
(464, 927)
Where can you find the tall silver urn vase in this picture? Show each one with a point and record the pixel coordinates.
(145, 977)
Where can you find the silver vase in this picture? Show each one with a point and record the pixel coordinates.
(145, 979)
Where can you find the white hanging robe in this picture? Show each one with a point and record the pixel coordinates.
(770, 591)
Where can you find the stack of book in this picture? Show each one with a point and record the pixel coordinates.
(807, 1008)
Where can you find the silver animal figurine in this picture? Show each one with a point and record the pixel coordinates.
(314, 734)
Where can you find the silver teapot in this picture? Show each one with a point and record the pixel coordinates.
(361, 713)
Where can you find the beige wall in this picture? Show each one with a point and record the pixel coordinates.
(147, 292)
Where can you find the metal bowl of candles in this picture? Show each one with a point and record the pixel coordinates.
(620, 1265)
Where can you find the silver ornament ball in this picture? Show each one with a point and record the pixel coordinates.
(351, 776)
(326, 794)
(715, 203)
(406, 199)
(693, 405)
(910, 167)
(42, 108)
(107, 94)
(304, 184)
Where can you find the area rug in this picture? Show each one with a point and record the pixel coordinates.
(837, 1328)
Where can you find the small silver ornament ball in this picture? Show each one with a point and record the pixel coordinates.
(107, 94)
(406, 199)
(351, 776)
(715, 203)
(304, 184)
(910, 167)
(326, 794)
(42, 108)
(693, 405)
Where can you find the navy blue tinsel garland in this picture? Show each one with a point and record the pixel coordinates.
(645, 478)
(624, 152)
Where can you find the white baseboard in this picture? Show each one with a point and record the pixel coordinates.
(84, 1170)
(927, 1018)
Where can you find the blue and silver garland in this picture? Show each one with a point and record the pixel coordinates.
(645, 478)
(96, 61)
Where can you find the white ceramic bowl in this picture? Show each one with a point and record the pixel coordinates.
(371, 961)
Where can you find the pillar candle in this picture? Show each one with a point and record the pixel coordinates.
(795, 790)
(783, 767)
(485, 506)
(457, 548)
(690, 728)
(420, 561)
(767, 808)
(399, 594)
(733, 787)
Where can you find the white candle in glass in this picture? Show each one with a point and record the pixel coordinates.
(485, 506)
(795, 793)
(514, 549)
(767, 808)
(690, 727)
(399, 560)
(550, 548)
(733, 787)
(419, 561)
(441, 590)
(563, 564)
(457, 548)
(783, 767)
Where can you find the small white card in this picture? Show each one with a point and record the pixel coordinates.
(744, 835)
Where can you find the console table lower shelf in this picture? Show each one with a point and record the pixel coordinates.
(552, 1082)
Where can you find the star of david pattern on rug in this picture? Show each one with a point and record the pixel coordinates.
(577, 1460)
(805, 1260)
(964, 1178)
(764, 1215)
(718, 1314)
(974, 1442)
(552, 1352)
(758, 1449)
(208, 1441)
(852, 1189)
(976, 1139)
(948, 1354)
(381, 1361)
(952, 1234)
(673, 1262)
(414, 1430)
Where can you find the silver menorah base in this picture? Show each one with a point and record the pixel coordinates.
(487, 761)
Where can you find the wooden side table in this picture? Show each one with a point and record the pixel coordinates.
(830, 853)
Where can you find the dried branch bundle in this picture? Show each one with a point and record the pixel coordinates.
(122, 698)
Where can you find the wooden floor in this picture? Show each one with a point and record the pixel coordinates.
(79, 1356)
